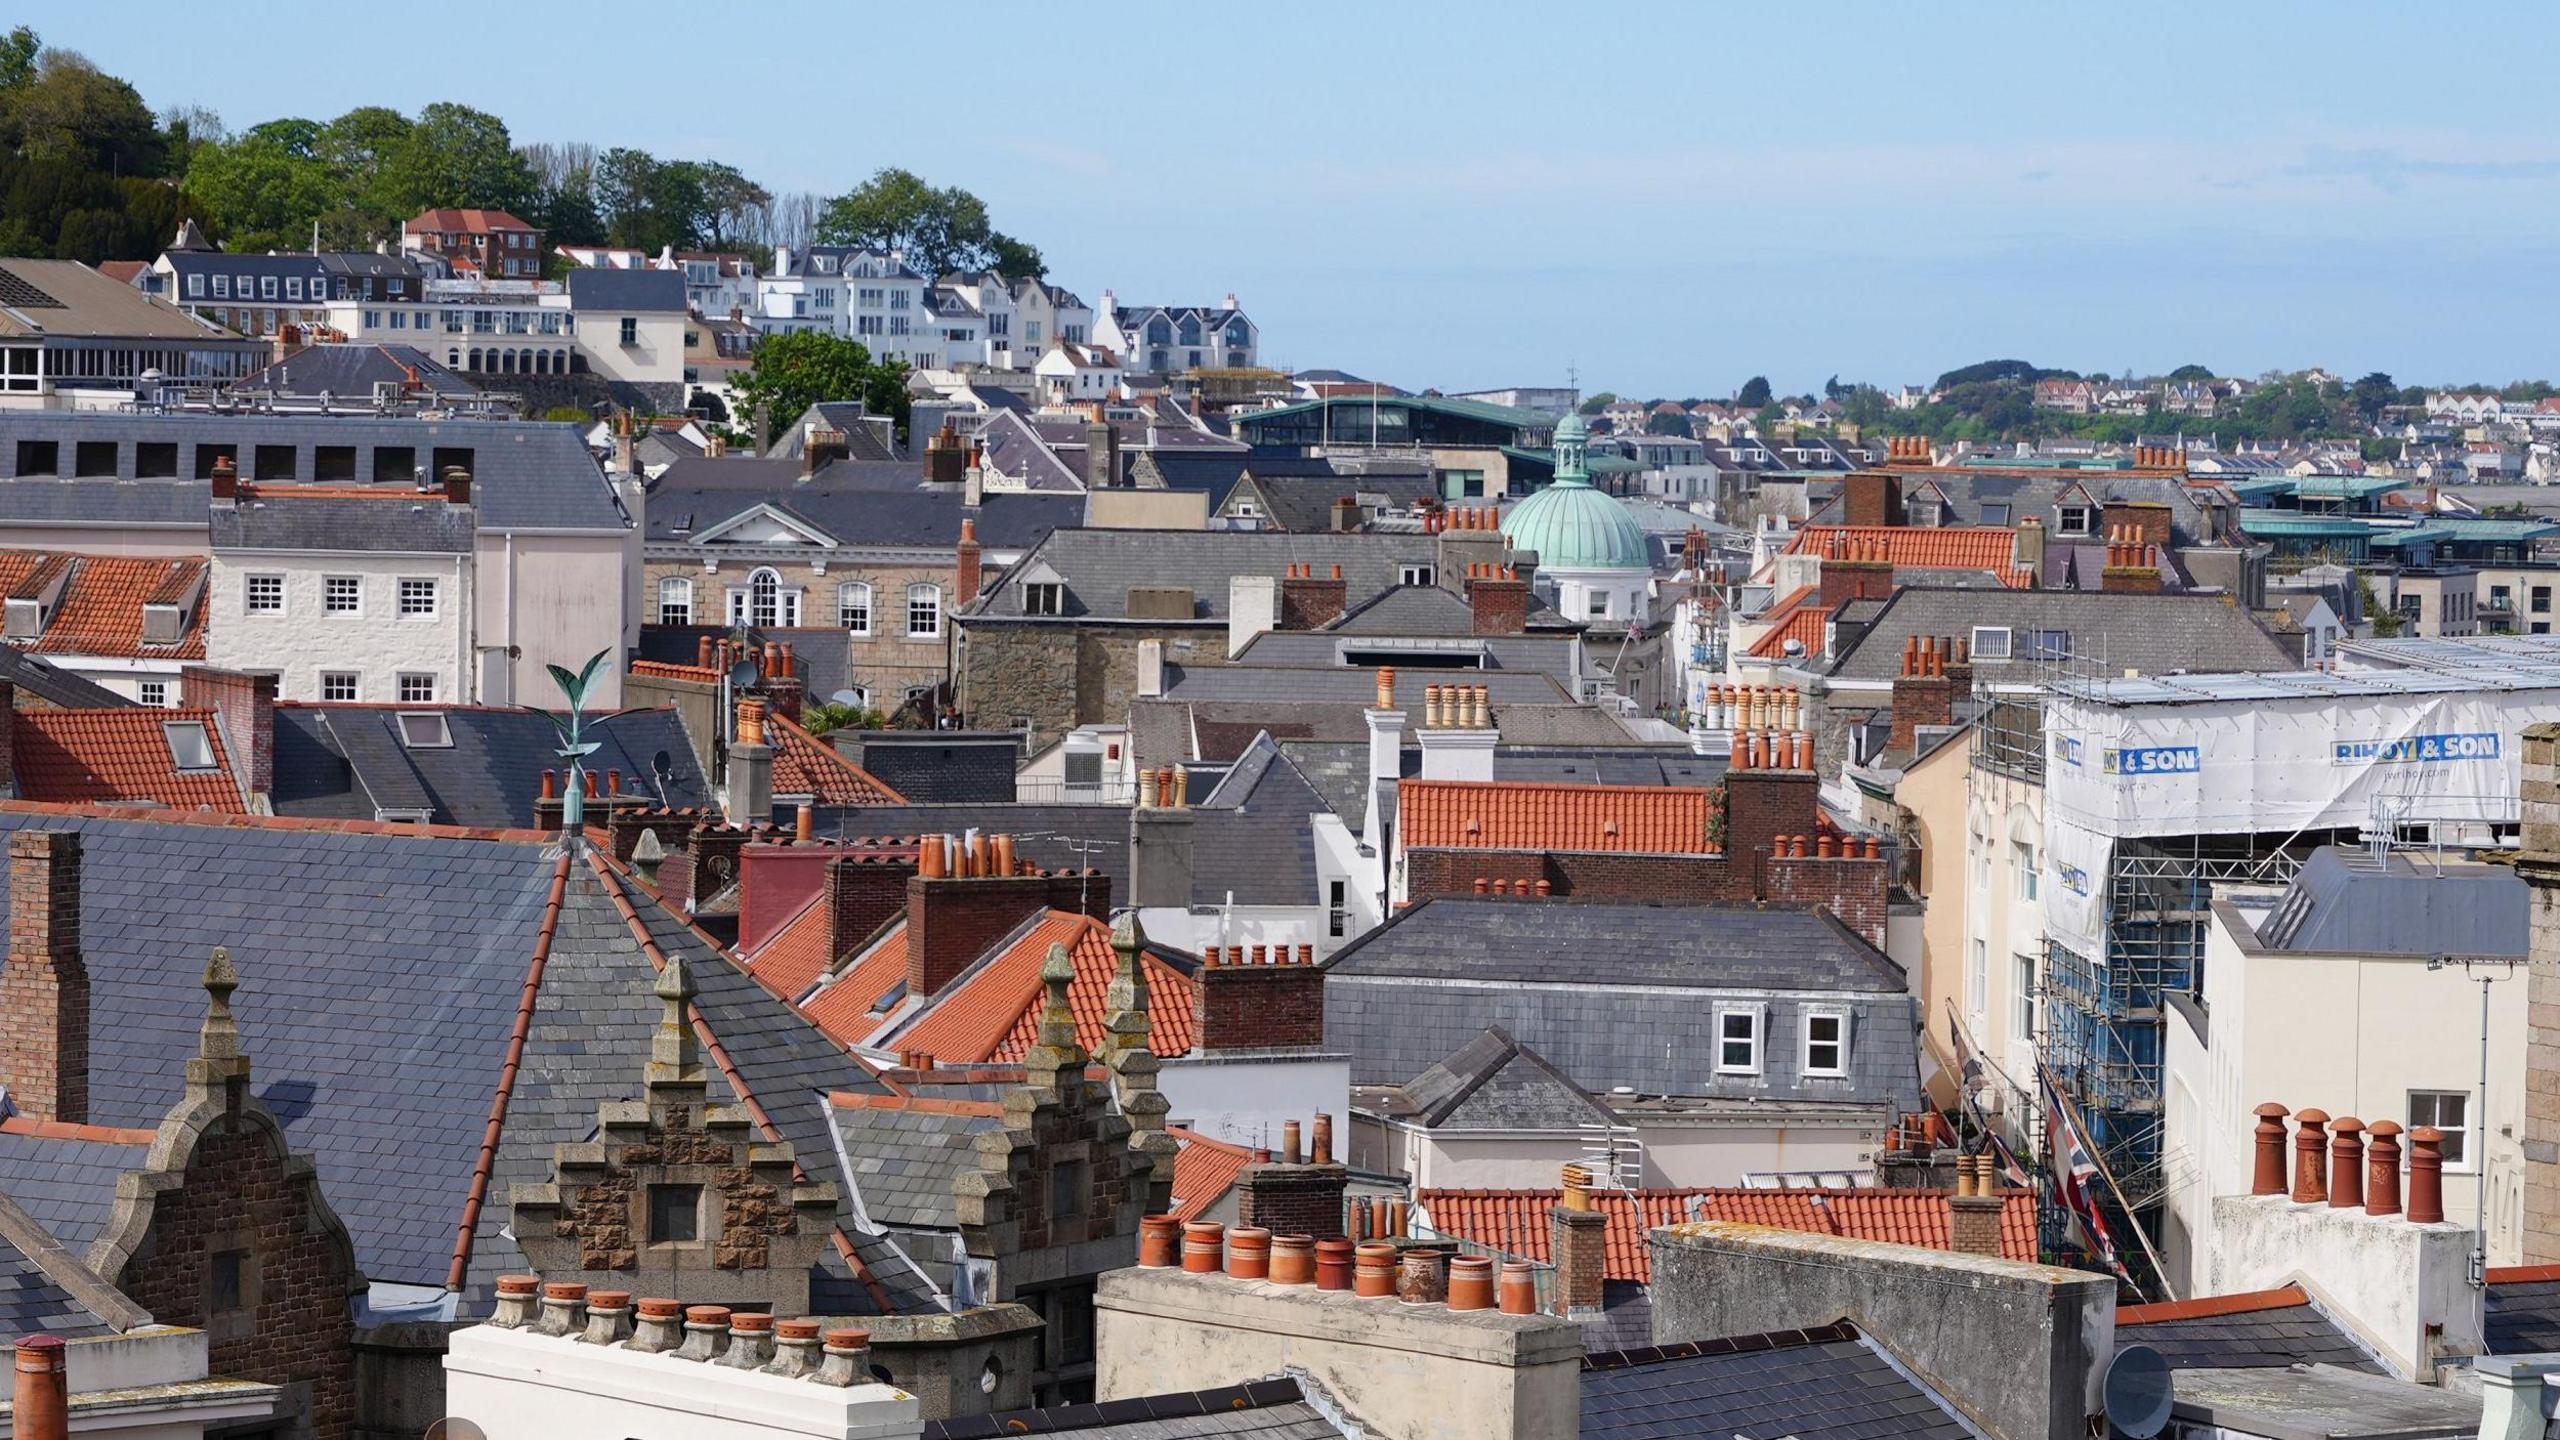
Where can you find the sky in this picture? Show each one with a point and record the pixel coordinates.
(1656, 198)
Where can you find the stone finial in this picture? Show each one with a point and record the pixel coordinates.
(1128, 993)
(220, 1037)
(674, 1057)
(1058, 1018)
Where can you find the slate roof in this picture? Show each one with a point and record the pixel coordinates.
(86, 756)
(1512, 815)
(1494, 1082)
(98, 610)
(350, 762)
(1516, 1220)
(2042, 492)
(34, 1303)
(2155, 634)
(350, 371)
(858, 514)
(525, 474)
(384, 1071)
(591, 288)
(2265, 1329)
(2346, 900)
(1828, 1384)
(1631, 765)
(1274, 1409)
(1304, 503)
(2524, 1310)
(53, 685)
(936, 767)
(1619, 992)
(335, 518)
(1100, 567)
(905, 1152)
(1305, 685)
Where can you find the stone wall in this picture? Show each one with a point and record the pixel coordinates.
(1057, 676)
(2539, 864)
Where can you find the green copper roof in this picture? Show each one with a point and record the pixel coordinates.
(1570, 525)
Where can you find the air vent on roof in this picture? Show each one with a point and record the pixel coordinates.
(162, 624)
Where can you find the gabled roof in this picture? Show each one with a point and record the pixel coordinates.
(1494, 1082)
(1204, 1170)
(803, 764)
(463, 218)
(98, 610)
(64, 299)
(2154, 634)
(594, 288)
(89, 756)
(1798, 627)
(1919, 547)
(1517, 1220)
(346, 761)
(1512, 815)
(992, 1012)
(1100, 567)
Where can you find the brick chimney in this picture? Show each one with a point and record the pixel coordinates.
(822, 444)
(960, 901)
(2026, 552)
(2143, 522)
(864, 892)
(245, 707)
(1975, 1210)
(1499, 599)
(1469, 536)
(1346, 513)
(1859, 572)
(1259, 997)
(945, 458)
(226, 478)
(1579, 1243)
(457, 484)
(1924, 693)
(1309, 601)
(965, 585)
(1101, 452)
(2133, 567)
(1768, 795)
(44, 992)
(1291, 1195)
(1871, 498)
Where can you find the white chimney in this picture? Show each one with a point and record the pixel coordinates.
(1253, 606)
(1150, 669)
(1386, 752)
(1458, 734)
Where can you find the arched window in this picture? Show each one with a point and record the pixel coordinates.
(675, 601)
(475, 361)
(853, 607)
(924, 612)
(764, 602)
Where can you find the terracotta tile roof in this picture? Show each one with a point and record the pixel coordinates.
(1204, 1170)
(99, 609)
(803, 764)
(123, 270)
(1920, 547)
(842, 1010)
(478, 221)
(914, 1104)
(89, 756)
(2208, 1306)
(1518, 815)
(1809, 626)
(65, 1130)
(993, 1014)
(1517, 1220)
(793, 958)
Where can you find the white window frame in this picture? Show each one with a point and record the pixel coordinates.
(329, 599)
(249, 587)
(1416, 574)
(2025, 882)
(153, 693)
(1990, 642)
(2062, 519)
(2022, 1000)
(1977, 976)
(434, 598)
(675, 594)
(1758, 1016)
(2458, 1137)
(853, 607)
(924, 594)
(1839, 1041)
(422, 678)
(354, 685)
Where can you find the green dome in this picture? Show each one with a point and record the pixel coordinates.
(1571, 525)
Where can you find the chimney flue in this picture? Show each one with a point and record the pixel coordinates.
(42, 1399)
(2267, 1175)
(2310, 1156)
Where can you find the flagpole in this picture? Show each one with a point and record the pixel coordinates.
(2071, 1117)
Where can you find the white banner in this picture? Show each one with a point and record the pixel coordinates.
(2075, 864)
(2286, 764)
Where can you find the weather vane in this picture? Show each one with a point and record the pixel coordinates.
(574, 746)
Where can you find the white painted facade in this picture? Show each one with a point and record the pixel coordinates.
(639, 346)
(309, 647)
(1075, 374)
(154, 1383)
(1666, 1151)
(1244, 1100)
(517, 1385)
(2350, 1034)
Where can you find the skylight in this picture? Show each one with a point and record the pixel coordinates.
(189, 744)
(425, 730)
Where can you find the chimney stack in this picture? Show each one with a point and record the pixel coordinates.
(1293, 1195)
(965, 585)
(1262, 997)
(44, 992)
(750, 794)
(41, 1408)
(226, 478)
(957, 906)
(1309, 601)
(457, 485)
(1499, 600)
(1974, 1212)
(1579, 1242)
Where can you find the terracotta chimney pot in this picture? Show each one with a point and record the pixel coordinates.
(2346, 1163)
(2310, 1156)
(2382, 1168)
(2267, 1176)
(2426, 1175)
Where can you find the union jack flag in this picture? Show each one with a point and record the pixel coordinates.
(2075, 1164)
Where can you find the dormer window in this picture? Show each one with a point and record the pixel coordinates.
(1049, 598)
(2074, 520)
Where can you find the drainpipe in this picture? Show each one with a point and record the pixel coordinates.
(510, 602)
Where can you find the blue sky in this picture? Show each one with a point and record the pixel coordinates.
(1668, 197)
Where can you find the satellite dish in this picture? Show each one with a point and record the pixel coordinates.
(2138, 1394)
(662, 765)
(743, 673)
(454, 1427)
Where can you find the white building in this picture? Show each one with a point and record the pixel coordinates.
(1177, 339)
(630, 323)
(1075, 374)
(842, 290)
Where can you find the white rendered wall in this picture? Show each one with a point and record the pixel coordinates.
(376, 644)
(515, 1385)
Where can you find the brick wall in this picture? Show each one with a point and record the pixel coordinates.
(2149, 520)
(1871, 497)
(1847, 580)
(1760, 805)
(1580, 1240)
(1310, 602)
(951, 921)
(1499, 606)
(294, 1328)
(862, 896)
(246, 706)
(1244, 1007)
(1292, 1199)
(1921, 700)
(44, 990)
(1855, 890)
(1973, 1224)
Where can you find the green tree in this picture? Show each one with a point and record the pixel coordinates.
(622, 181)
(362, 148)
(730, 204)
(568, 210)
(70, 110)
(455, 155)
(1770, 417)
(2371, 394)
(2186, 373)
(793, 372)
(1666, 422)
(1019, 259)
(18, 52)
(938, 230)
(818, 717)
(1754, 393)
(1597, 403)
(259, 193)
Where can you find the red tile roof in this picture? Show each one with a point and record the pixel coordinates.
(803, 764)
(2206, 1306)
(914, 1104)
(123, 270)
(1518, 815)
(1517, 1220)
(842, 1011)
(87, 756)
(993, 1014)
(1809, 626)
(99, 609)
(449, 219)
(1204, 1170)
(1920, 547)
(793, 957)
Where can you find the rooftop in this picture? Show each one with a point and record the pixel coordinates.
(1512, 815)
(1516, 1221)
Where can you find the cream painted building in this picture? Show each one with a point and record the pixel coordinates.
(2322, 996)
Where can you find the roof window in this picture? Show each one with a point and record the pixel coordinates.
(425, 730)
(190, 744)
